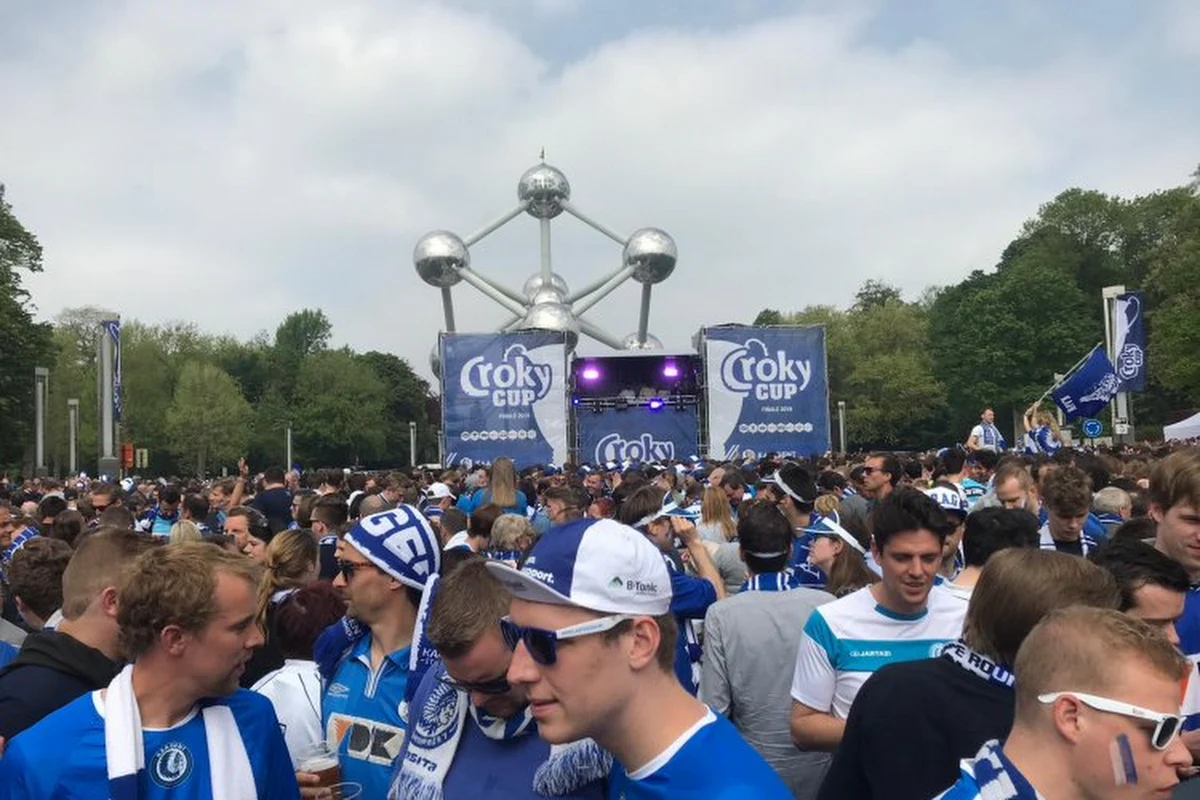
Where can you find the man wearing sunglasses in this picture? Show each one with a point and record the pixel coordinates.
(594, 648)
(384, 562)
(471, 732)
(1097, 715)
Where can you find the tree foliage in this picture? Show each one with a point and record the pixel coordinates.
(208, 420)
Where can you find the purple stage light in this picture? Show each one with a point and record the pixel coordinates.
(590, 374)
(670, 371)
(656, 403)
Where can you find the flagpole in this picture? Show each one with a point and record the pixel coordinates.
(1068, 374)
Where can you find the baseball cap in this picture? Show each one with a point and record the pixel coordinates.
(951, 500)
(598, 564)
(400, 542)
(438, 490)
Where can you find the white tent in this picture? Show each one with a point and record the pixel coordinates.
(1187, 429)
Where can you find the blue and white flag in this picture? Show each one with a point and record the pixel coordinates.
(1129, 341)
(1088, 389)
(112, 327)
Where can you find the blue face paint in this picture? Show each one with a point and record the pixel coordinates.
(1121, 753)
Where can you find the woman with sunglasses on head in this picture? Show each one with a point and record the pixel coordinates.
(840, 553)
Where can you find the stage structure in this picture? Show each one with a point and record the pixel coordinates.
(638, 408)
(648, 256)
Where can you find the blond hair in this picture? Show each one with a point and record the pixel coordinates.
(502, 483)
(185, 531)
(507, 531)
(827, 504)
(168, 586)
(715, 509)
(467, 603)
(1080, 649)
(1176, 479)
(1020, 586)
(288, 561)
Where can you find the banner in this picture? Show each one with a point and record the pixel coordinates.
(1129, 341)
(113, 328)
(638, 434)
(1088, 388)
(767, 391)
(505, 394)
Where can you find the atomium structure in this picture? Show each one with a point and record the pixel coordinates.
(443, 259)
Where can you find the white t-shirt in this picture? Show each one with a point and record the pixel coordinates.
(295, 691)
(847, 640)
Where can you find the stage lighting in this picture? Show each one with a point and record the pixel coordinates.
(656, 403)
(590, 373)
(670, 370)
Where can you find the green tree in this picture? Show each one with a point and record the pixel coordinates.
(24, 344)
(408, 399)
(1174, 289)
(208, 421)
(342, 419)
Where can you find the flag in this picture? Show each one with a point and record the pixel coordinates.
(113, 328)
(1129, 341)
(1089, 388)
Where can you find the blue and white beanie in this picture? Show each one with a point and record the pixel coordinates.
(400, 542)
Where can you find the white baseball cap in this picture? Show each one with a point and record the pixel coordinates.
(438, 491)
(598, 564)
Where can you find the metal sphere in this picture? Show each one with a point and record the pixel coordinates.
(435, 360)
(631, 342)
(534, 285)
(545, 189)
(438, 257)
(552, 317)
(652, 255)
(550, 295)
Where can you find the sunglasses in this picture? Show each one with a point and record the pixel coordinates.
(347, 569)
(543, 644)
(1166, 726)
(869, 470)
(494, 686)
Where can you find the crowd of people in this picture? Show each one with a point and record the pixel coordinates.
(972, 623)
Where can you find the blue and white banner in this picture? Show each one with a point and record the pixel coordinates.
(1129, 341)
(640, 434)
(505, 394)
(767, 391)
(1089, 388)
(112, 327)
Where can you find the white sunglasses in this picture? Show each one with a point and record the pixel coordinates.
(1166, 726)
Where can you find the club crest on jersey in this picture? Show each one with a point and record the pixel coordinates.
(752, 370)
(171, 765)
(517, 380)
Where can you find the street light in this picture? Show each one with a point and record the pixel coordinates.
(1120, 410)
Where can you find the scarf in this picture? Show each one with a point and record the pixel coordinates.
(991, 436)
(771, 582)
(434, 735)
(997, 778)
(979, 665)
(229, 766)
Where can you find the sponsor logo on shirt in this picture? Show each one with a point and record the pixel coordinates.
(366, 739)
(870, 653)
(171, 765)
(339, 690)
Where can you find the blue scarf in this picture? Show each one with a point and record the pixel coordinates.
(997, 778)
(773, 582)
(991, 436)
(979, 665)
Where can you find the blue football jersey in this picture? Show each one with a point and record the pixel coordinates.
(360, 711)
(712, 762)
(63, 756)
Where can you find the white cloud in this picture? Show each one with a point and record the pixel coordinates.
(234, 162)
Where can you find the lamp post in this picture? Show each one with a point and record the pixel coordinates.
(73, 434)
(41, 380)
(842, 424)
(1122, 430)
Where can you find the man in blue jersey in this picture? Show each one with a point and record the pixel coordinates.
(593, 645)
(1096, 717)
(173, 723)
(1067, 496)
(471, 733)
(384, 562)
(897, 619)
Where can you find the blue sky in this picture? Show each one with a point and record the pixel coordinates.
(229, 162)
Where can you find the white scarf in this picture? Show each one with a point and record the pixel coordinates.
(434, 735)
(229, 766)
